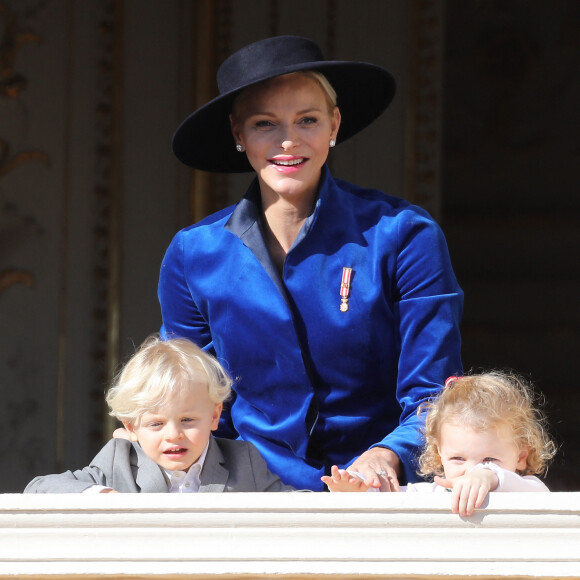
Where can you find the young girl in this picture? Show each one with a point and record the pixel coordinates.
(483, 433)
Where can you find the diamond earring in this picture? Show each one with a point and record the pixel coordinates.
(332, 142)
(239, 148)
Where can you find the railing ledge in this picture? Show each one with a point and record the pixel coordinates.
(287, 535)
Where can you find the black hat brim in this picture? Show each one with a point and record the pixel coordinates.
(204, 139)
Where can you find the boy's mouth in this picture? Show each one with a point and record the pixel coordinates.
(175, 451)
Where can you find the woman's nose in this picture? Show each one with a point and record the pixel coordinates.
(288, 138)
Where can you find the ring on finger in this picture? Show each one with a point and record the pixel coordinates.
(381, 472)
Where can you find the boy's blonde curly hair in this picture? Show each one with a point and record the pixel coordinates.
(157, 370)
(484, 401)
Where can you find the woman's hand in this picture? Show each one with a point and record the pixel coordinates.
(342, 480)
(470, 490)
(381, 468)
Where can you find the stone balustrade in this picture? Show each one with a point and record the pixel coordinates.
(287, 535)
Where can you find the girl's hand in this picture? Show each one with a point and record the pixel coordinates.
(470, 490)
(341, 480)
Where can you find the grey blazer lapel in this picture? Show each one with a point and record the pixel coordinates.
(214, 475)
(149, 477)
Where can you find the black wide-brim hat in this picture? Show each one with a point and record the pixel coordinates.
(204, 139)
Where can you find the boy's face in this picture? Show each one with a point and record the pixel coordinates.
(175, 434)
(462, 448)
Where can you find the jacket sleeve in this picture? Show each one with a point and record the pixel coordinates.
(428, 306)
(510, 481)
(181, 316)
(97, 473)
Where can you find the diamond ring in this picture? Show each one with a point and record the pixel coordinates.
(381, 472)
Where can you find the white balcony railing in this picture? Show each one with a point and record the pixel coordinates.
(283, 535)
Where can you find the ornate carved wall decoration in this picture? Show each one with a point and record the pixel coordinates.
(13, 38)
(331, 28)
(424, 109)
(209, 192)
(12, 84)
(107, 201)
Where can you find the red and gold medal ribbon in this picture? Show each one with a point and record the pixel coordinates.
(345, 288)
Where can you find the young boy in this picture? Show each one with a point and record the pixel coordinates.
(169, 397)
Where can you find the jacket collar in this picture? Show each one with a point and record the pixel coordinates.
(214, 475)
(149, 477)
(245, 223)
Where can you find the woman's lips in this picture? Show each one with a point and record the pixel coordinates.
(288, 164)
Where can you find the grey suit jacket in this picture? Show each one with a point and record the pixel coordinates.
(122, 465)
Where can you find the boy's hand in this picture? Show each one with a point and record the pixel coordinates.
(341, 480)
(470, 490)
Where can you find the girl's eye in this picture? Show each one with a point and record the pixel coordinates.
(155, 424)
(489, 460)
(457, 459)
(187, 420)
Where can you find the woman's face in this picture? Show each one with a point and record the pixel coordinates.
(285, 126)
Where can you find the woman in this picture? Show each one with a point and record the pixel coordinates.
(336, 308)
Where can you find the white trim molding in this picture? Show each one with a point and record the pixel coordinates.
(287, 535)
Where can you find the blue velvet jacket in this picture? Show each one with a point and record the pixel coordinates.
(315, 386)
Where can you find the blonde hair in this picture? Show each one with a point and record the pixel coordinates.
(484, 401)
(323, 82)
(160, 368)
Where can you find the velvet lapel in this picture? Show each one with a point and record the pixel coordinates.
(245, 223)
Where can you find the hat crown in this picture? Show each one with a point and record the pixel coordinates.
(265, 59)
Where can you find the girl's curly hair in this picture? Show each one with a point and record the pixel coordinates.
(484, 401)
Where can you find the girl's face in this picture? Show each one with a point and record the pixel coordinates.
(462, 447)
(285, 127)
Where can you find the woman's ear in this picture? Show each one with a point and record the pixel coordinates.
(235, 127)
(217, 411)
(335, 123)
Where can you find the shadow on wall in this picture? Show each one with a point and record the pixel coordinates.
(511, 204)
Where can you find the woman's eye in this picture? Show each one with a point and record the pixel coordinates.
(264, 124)
(308, 120)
